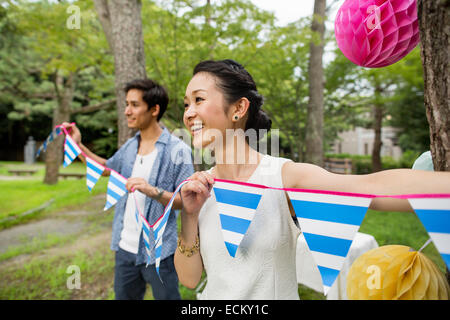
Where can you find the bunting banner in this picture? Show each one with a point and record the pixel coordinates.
(93, 172)
(56, 132)
(143, 223)
(236, 205)
(435, 217)
(329, 222)
(71, 151)
(146, 236)
(160, 225)
(115, 190)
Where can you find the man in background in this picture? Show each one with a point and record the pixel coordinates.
(155, 163)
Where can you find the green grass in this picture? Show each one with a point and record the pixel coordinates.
(19, 196)
(47, 278)
(35, 245)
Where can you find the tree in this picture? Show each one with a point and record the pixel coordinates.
(434, 17)
(407, 108)
(279, 70)
(379, 94)
(345, 103)
(314, 124)
(383, 86)
(19, 87)
(122, 24)
(187, 32)
(62, 55)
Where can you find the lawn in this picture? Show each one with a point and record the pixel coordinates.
(65, 193)
(46, 278)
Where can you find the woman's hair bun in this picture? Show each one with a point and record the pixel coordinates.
(259, 121)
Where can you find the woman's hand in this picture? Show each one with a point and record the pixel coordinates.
(193, 195)
(141, 185)
(196, 192)
(73, 130)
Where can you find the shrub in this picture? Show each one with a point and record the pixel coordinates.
(363, 164)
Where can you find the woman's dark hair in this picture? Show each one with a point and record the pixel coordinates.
(236, 83)
(152, 94)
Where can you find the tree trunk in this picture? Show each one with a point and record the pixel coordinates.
(377, 143)
(208, 13)
(122, 24)
(314, 125)
(434, 17)
(54, 153)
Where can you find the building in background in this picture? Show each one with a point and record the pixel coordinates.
(360, 141)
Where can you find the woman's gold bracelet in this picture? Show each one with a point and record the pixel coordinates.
(188, 252)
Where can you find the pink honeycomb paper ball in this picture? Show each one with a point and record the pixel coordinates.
(376, 33)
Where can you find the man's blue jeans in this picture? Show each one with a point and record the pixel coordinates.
(130, 280)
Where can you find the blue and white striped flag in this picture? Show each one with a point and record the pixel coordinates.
(146, 236)
(435, 216)
(329, 222)
(71, 151)
(93, 172)
(49, 139)
(116, 189)
(160, 225)
(236, 204)
(141, 222)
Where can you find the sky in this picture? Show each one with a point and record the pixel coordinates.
(287, 10)
(290, 10)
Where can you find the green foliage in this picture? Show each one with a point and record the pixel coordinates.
(177, 35)
(41, 48)
(280, 73)
(352, 91)
(187, 32)
(407, 110)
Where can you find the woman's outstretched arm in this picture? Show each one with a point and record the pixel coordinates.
(388, 182)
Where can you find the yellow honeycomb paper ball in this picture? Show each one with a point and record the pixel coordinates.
(395, 272)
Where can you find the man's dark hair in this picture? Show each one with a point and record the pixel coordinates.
(152, 94)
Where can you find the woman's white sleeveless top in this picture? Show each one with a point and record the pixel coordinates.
(264, 265)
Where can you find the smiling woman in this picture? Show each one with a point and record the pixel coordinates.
(222, 96)
(213, 106)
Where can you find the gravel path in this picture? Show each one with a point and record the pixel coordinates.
(23, 233)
